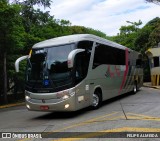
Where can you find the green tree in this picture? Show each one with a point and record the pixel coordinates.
(11, 31)
(154, 1)
(31, 16)
(30, 3)
(128, 34)
(148, 36)
(154, 37)
(142, 38)
(134, 27)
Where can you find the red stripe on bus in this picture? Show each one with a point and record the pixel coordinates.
(126, 71)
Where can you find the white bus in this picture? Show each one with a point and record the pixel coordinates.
(72, 72)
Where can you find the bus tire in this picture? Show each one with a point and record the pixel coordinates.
(97, 100)
(135, 88)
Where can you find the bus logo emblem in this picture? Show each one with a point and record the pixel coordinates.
(111, 74)
(43, 100)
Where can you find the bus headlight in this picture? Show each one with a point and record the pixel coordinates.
(68, 95)
(65, 97)
(65, 94)
(27, 97)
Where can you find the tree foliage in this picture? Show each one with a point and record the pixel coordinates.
(134, 27)
(139, 39)
(11, 34)
(30, 3)
(154, 1)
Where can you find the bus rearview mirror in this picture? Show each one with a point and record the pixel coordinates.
(72, 55)
(18, 61)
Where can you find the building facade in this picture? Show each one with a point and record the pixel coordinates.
(154, 61)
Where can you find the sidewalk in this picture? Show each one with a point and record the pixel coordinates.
(148, 84)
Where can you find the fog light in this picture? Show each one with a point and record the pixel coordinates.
(66, 106)
(28, 106)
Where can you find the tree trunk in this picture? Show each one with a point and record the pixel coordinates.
(5, 78)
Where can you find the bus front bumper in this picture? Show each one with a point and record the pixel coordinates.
(47, 105)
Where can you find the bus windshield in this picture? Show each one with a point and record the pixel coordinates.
(48, 66)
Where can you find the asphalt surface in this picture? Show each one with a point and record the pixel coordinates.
(128, 113)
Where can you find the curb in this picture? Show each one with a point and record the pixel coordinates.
(12, 105)
(154, 87)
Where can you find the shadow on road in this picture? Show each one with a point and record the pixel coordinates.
(62, 115)
(117, 98)
(68, 115)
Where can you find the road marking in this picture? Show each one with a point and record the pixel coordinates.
(133, 117)
(98, 119)
(110, 119)
(144, 117)
(104, 132)
(77, 124)
(11, 105)
(110, 116)
(84, 122)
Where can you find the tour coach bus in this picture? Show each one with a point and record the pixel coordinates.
(72, 72)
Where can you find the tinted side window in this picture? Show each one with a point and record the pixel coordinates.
(108, 55)
(139, 63)
(156, 61)
(120, 57)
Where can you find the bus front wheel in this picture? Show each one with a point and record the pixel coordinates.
(97, 100)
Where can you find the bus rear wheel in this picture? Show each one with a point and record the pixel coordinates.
(97, 100)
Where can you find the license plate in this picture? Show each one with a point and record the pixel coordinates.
(44, 107)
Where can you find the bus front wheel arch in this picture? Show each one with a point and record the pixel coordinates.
(97, 99)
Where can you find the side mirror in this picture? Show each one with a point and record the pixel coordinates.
(19, 60)
(72, 55)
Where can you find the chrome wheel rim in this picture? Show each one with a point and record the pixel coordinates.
(95, 100)
(135, 89)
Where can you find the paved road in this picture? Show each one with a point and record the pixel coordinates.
(129, 113)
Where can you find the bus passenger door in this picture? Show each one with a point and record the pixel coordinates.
(81, 69)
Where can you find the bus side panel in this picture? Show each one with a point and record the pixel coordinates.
(96, 78)
(135, 73)
(108, 78)
(82, 98)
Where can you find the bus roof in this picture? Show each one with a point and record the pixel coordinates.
(75, 38)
